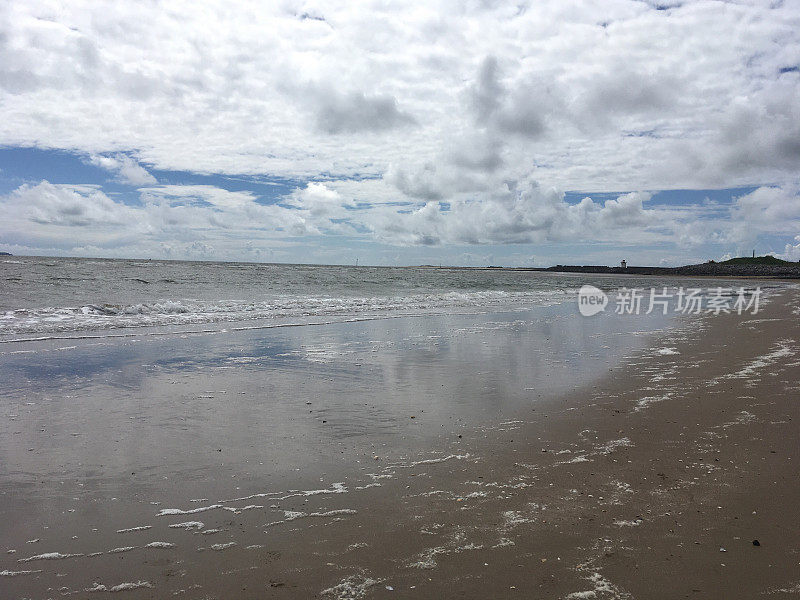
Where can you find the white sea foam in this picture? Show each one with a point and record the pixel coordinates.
(432, 461)
(7, 573)
(293, 515)
(793, 589)
(120, 587)
(581, 458)
(367, 486)
(48, 556)
(427, 558)
(159, 545)
(130, 529)
(643, 403)
(222, 546)
(783, 349)
(358, 545)
(514, 518)
(238, 510)
(475, 494)
(336, 488)
(188, 525)
(89, 317)
(613, 445)
(602, 588)
(628, 523)
(353, 587)
(334, 513)
(178, 511)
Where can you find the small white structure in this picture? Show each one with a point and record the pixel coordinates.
(624, 264)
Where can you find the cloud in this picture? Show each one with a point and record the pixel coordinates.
(479, 152)
(769, 125)
(202, 221)
(418, 182)
(623, 97)
(356, 112)
(192, 218)
(128, 170)
(773, 207)
(528, 213)
(494, 107)
(200, 195)
(523, 215)
(770, 209)
(486, 91)
(410, 123)
(320, 201)
(65, 205)
(200, 207)
(626, 211)
(792, 251)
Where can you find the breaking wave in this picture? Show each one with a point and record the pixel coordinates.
(90, 317)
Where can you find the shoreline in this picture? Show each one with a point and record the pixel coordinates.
(789, 270)
(714, 271)
(600, 490)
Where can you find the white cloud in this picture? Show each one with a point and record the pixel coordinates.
(792, 251)
(773, 209)
(519, 216)
(219, 211)
(217, 197)
(171, 221)
(415, 124)
(65, 206)
(622, 96)
(320, 201)
(193, 220)
(127, 170)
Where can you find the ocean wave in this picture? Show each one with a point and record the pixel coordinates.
(90, 317)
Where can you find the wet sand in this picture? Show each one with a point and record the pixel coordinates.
(504, 456)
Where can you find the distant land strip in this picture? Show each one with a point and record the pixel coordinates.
(758, 266)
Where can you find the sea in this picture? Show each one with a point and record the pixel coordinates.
(44, 297)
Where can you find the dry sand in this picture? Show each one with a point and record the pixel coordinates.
(650, 481)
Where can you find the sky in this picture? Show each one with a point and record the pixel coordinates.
(464, 132)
